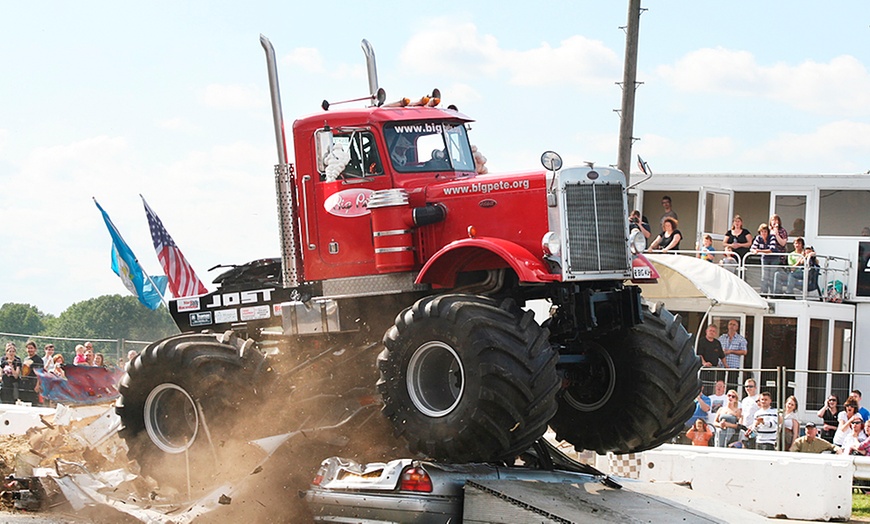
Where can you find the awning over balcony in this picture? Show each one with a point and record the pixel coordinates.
(691, 284)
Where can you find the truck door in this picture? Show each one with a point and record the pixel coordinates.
(340, 244)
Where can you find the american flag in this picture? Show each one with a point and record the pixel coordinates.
(183, 281)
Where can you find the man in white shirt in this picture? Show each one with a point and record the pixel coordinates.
(748, 407)
(717, 400)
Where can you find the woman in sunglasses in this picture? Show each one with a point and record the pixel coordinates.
(845, 418)
(853, 439)
(727, 418)
(828, 414)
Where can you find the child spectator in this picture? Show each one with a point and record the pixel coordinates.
(706, 251)
(80, 356)
(700, 434)
(729, 261)
(58, 366)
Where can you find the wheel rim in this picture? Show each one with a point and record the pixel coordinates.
(171, 418)
(592, 383)
(435, 379)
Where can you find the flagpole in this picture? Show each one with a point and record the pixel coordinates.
(136, 259)
(156, 287)
(162, 298)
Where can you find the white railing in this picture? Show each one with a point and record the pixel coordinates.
(826, 282)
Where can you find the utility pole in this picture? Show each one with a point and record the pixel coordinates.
(629, 86)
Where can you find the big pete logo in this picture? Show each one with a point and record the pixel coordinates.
(348, 203)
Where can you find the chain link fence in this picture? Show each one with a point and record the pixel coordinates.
(114, 350)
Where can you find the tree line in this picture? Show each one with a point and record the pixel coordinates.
(105, 317)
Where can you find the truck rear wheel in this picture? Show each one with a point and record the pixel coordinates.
(180, 392)
(634, 393)
(466, 378)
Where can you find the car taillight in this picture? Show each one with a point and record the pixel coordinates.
(318, 478)
(415, 478)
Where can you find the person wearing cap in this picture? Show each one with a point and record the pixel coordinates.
(810, 443)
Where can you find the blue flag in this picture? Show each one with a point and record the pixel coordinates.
(126, 266)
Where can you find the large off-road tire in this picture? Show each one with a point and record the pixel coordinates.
(466, 378)
(179, 393)
(634, 391)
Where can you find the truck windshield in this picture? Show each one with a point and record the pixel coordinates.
(429, 146)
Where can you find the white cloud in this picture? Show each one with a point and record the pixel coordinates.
(307, 58)
(840, 86)
(459, 50)
(834, 147)
(233, 96)
(4, 139)
(315, 69)
(837, 146)
(577, 61)
(460, 95)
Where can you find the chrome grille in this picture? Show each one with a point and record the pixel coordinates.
(596, 227)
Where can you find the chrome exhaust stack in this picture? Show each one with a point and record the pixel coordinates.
(291, 254)
(372, 68)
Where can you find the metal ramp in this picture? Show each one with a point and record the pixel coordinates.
(512, 501)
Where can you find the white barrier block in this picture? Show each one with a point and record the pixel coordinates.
(774, 484)
(16, 420)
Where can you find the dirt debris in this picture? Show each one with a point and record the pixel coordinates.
(264, 490)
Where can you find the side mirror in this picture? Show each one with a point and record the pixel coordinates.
(551, 161)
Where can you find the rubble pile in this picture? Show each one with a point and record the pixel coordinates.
(74, 463)
(39, 466)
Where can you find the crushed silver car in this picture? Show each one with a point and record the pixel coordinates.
(408, 490)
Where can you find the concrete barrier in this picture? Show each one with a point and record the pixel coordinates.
(17, 419)
(773, 484)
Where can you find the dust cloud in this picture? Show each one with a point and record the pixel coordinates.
(321, 400)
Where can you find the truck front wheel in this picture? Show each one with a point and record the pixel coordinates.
(179, 393)
(466, 378)
(630, 392)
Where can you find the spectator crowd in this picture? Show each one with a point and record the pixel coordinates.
(20, 382)
(723, 419)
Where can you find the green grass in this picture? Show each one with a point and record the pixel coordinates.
(860, 505)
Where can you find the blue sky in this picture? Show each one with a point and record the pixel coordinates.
(170, 99)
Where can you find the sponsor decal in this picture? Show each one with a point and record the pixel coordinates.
(244, 297)
(348, 202)
(203, 318)
(486, 187)
(276, 310)
(222, 316)
(187, 304)
(254, 312)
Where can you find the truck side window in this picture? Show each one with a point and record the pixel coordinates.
(364, 158)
